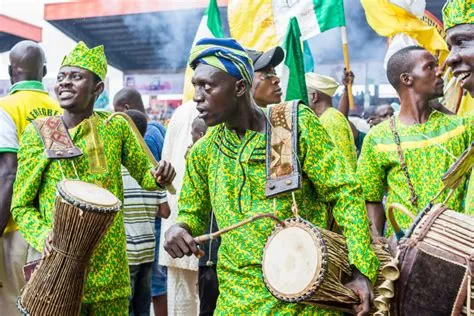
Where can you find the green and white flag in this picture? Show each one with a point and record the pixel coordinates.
(314, 16)
(210, 26)
(293, 82)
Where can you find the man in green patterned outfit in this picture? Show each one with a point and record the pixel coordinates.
(226, 170)
(430, 142)
(321, 89)
(458, 18)
(105, 148)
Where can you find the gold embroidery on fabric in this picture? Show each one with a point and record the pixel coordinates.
(95, 149)
(281, 162)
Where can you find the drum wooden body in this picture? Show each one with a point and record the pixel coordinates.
(436, 262)
(83, 214)
(304, 263)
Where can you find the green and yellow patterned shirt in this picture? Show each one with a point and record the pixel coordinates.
(429, 150)
(340, 132)
(105, 148)
(227, 174)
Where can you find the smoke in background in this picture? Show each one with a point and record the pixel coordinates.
(171, 33)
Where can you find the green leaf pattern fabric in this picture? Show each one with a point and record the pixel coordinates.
(228, 175)
(35, 192)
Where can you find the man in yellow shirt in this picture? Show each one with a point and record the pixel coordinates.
(321, 90)
(26, 101)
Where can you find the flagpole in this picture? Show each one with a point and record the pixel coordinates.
(345, 51)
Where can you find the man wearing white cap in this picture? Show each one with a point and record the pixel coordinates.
(320, 92)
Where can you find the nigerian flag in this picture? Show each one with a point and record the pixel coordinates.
(210, 26)
(314, 16)
(293, 83)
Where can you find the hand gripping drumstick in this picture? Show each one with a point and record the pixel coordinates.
(171, 189)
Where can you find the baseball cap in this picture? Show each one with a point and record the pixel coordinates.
(261, 60)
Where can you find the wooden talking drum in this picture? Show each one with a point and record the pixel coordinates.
(304, 263)
(83, 214)
(437, 265)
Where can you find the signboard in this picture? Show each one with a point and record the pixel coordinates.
(155, 84)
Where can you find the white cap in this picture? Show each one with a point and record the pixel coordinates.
(399, 42)
(325, 84)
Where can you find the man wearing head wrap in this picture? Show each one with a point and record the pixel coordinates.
(321, 89)
(266, 83)
(405, 157)
(226, 170)
(105, 148)
(458, 18)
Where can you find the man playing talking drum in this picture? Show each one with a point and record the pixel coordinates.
(226, 170)
(105, 147)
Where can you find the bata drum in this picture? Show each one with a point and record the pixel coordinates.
(437, 265)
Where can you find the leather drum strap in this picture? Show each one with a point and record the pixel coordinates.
(282, 167)
(429, 222)
(56, 139)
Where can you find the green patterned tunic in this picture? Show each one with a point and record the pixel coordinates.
(228, 175)
(340, 132)
(429, 150)
(105, 148)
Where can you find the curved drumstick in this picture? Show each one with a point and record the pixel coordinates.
(171, 189)
(392, 219)
(207, 237)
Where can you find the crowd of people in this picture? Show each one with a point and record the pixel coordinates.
(214, 151)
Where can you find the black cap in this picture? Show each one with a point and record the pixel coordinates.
(261, 60)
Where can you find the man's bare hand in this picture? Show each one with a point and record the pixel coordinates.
(163, 210)
(348, 77)
(179, 242)
(363, 288)
(164, 173)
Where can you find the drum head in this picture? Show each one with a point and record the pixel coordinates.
(292, 260)
(82, 193)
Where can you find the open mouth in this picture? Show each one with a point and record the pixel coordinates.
(464, 76)
(66, 94)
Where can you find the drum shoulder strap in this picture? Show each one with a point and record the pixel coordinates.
(282, 168)
(56, 139)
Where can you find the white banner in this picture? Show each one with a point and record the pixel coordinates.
(154, 84)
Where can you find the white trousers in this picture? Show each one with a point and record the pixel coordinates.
(13, 253)
(183, 293)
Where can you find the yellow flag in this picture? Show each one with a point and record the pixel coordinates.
(251, 23)
(388, 19)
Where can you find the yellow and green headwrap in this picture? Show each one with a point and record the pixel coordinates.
(225, 54)
(457, 12)
(92, 59)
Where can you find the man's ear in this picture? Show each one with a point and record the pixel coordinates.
(99, 88)
(45, 71)
(315, 97)
(10, 70)
(240, 88)
(126, 107)
(406, 79)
